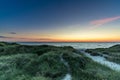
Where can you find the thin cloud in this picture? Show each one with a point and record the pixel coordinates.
(12, 33)
(104, 21)
(35, 39)
(6, 37)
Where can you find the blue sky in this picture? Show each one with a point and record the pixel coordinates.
(47, 18)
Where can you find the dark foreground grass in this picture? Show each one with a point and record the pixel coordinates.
(21, 62)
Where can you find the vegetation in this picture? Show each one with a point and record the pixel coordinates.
(22, 62)
(111, 53)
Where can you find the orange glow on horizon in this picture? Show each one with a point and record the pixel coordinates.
(68, 35)
(67, 40)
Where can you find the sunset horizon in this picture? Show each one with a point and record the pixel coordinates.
(60, 21)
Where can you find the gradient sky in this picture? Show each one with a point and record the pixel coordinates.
(60, 20)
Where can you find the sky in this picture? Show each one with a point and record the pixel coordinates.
(60, 20)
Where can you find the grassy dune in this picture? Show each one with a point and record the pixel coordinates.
(111, 54)
(22, 62)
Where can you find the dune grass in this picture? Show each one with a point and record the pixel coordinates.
(111, 54)
(21, 62)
